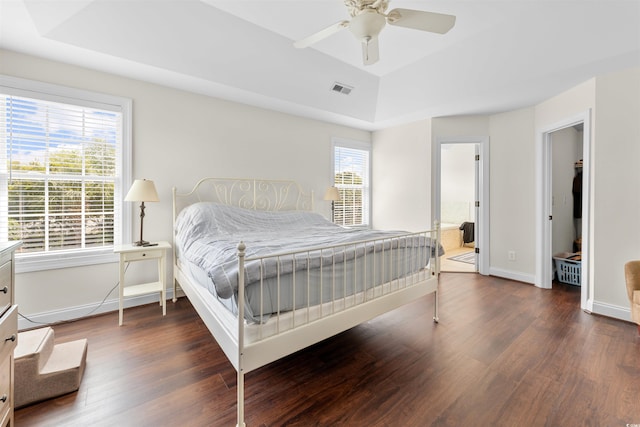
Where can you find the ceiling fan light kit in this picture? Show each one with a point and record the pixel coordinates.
(367, 25)
(368, 18)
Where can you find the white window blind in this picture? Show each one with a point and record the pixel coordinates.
(59, 165)
(351, 177)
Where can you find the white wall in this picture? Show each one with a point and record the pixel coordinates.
(616, 190)
(178, 137)
(401, 177)
(460, 126)
(512, 194)
(565, 105)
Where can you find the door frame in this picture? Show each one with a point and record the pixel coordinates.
(482, 182)
(544, 262)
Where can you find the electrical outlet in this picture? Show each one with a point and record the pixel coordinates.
(511, 255)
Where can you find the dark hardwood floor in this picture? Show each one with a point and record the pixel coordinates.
(503, 354)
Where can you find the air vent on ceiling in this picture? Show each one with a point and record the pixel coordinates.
(341, 88)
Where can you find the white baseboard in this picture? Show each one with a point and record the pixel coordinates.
(78, 312)
(609, 310)
(512, 275)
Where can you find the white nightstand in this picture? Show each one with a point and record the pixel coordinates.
(130, 253)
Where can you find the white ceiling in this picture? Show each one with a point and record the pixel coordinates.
(500, 55)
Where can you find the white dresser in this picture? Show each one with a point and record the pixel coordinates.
(8, 330)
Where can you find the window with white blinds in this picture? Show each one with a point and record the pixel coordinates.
(60, 174)
(351, 163)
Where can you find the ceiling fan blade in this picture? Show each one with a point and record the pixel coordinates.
(322, 34)
(370, 51)
(421, 20)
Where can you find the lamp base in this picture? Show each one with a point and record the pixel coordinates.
(140, 243)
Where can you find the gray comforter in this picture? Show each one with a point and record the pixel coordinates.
(207, 234)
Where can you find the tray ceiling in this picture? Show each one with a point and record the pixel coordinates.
(500, 55)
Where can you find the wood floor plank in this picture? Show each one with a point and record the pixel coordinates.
(504, 353)
(531, 402)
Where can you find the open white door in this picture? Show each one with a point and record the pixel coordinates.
(481, 229)
(544, 260)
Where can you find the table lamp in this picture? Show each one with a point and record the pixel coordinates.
(142, 190)
(332, 194)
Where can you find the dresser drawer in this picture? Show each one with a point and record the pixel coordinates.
(137, 256)
(6, 286)
(5, 385)
(8, 333)
(6, 417)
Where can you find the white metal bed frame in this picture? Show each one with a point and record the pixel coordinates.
(247, 356)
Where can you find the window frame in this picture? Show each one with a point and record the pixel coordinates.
(355, 145)
(122, 225)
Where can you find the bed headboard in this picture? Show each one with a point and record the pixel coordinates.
(258, 194)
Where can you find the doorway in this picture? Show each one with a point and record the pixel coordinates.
(461, 194)
(561, 160)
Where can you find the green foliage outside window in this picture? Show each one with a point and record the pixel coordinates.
(71, 206)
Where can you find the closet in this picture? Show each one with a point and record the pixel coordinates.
(566, 146)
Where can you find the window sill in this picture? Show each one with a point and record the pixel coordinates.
(52, 261)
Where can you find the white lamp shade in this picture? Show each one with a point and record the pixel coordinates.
(332, 194)
(142, 190)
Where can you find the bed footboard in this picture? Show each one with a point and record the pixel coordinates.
(333, 289)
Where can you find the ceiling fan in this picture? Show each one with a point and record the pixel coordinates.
(368, 18)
